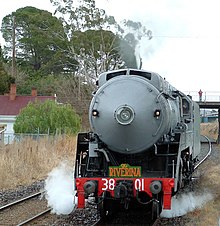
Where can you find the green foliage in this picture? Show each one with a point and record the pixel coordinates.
(4, 82)
(45, 86)
(47, 116)
(103, 49)
(40, 40)
(98, 48)
(5, 79)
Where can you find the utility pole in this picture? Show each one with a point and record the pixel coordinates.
(218, 139)
(13, 49)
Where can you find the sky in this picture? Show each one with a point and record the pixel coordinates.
(185, 48)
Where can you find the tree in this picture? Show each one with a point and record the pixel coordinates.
(88, 22)
(98, 51)
(46, 85)
(92, 42)
(40, 40)
(47, 116)
(82, 15)
(5, 79)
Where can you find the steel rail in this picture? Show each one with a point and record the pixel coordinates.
(207, 155)
(98, 222)
(35, 217)
(155, 223)
(20, 200)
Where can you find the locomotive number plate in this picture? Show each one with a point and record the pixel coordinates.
(109, 184)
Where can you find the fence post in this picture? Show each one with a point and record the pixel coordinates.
(48, 134)
(8, 139)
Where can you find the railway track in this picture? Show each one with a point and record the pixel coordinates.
(20, 200)
(35, 217)
(23, 211)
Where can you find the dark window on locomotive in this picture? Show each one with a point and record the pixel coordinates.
(141, 73)
(115, 74)
(186, 107)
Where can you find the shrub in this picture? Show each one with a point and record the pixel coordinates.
(47, 117)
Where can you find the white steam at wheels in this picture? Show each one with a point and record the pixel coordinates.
(187, 202)
(60, 189)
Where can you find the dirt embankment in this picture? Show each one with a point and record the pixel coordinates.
(210, 130)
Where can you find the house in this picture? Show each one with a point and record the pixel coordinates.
(10, 106)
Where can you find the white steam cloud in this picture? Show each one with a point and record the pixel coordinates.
(185, 203)
(60, 189)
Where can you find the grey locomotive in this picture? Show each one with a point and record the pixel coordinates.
(144, 142)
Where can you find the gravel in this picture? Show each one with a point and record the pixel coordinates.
(87, 216)
(20, 192)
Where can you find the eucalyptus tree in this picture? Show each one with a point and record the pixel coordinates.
(81, 14)
(100, 50)
(95, 38)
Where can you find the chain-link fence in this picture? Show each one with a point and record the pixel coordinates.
(8, 138)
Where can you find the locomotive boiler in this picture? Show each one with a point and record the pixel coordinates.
(143, 144)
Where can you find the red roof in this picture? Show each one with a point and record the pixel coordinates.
(13, 107)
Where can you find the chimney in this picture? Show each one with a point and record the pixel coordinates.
(34, 92)
(12, 94)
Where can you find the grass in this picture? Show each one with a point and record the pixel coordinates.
(210, 213)
(210, 181)
(25, 162)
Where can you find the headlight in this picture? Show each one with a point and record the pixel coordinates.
(90, 187)
(157, 113)
(95, 113)
(124, 115)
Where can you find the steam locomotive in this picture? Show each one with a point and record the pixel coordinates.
(143, 146)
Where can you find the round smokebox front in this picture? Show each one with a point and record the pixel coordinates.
(126, 115)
